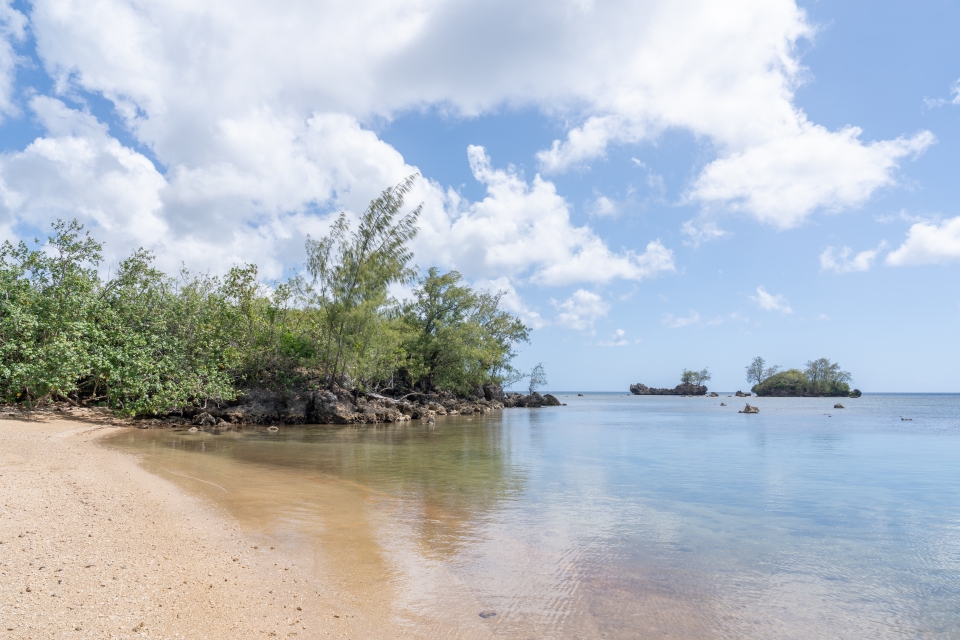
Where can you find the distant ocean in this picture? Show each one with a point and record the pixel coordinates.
(622, 516)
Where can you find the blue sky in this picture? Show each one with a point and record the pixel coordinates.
(657, 185)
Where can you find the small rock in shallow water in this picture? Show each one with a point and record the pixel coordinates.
(487, 614)
(838, 406)
(193, 429)
(750, 409)
(723, 404)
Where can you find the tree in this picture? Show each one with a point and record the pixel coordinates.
(458, 338)
(757, 374)
(538, 378)
(825, 375)
(351, 271)
(700, 377)
(696, 378)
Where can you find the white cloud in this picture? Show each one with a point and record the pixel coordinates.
(929, 243)
(588, 142)
(80, 171)
(12, 30)
(706, 232)
(769, 302)
(255, 109)
(581, 310)
(604, 207)
(843, 261)
(954, 98)
(783, 180)
(523, 227)
(512, 301)
(678, 323)
(617, 339)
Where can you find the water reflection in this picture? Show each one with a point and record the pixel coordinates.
(675, 516)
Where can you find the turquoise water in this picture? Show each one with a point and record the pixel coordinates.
(622, 516)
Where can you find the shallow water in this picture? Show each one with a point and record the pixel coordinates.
(613, 517)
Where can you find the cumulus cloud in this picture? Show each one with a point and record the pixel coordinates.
(769, 302)
(12, 30)
(581, 310)
(677, 323)
(256, 110)
(78, 170)
(783, 180)
(844, 261)
(523, 227)
(929, 243)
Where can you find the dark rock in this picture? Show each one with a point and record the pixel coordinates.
(749, 409)
(685, 389)
(723, 404)
(838, 406)
(714, 394)
(487, 614)
(741, 394)
(550, 400)
(493, 392)
(579, 395)
(204, 420)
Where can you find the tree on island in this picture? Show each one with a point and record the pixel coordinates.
(821, 378)
(538, 378)
(756, 372)
(696, 378)
(824, 374)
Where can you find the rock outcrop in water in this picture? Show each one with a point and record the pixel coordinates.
(342, 406)
(749, 409)
(685, 389)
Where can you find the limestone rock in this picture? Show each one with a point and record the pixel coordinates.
(204, 419)
(750, 409)
(550, 400)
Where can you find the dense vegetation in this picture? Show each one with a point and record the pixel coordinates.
(821, 378)
(141, 341)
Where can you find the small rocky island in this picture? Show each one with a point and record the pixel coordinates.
(691, 384)
(825, 381)
(683, 389)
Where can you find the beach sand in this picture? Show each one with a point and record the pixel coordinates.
(94, 546)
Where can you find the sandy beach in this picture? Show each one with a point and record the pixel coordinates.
(93, 546)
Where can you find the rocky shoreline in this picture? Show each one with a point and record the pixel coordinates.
(343, 406)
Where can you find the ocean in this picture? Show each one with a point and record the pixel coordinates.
(615, 516)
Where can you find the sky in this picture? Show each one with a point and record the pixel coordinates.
(653, 184)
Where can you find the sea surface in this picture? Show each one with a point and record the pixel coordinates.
(615, 516)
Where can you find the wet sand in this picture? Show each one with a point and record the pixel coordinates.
(94, 546)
